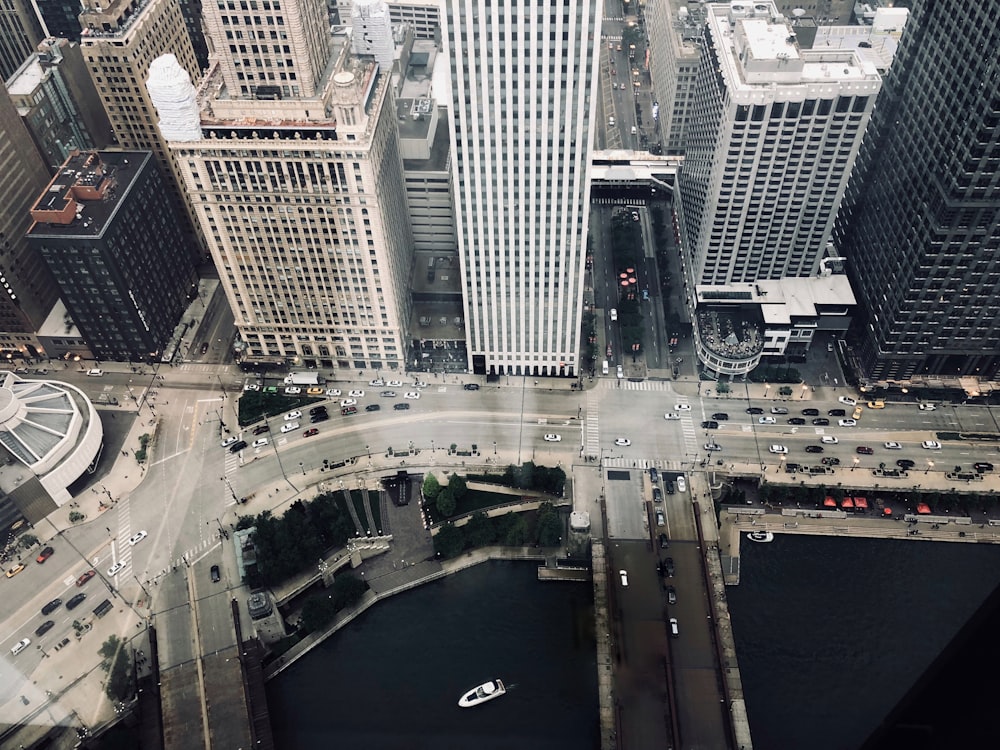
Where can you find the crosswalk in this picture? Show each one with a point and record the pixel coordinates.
(122, 552)
(592, 425)
(663, 386)
(645, 463)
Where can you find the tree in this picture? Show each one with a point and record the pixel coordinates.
(347, 590)
(480, 531)
(549, 526)
(119, 668)
(317, 613)
(449, 541)
(431, 487)
(28, 540)
(513, 529)
(446, 502)
(458, 486)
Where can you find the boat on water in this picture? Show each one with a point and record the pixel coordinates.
(485, 692)
(760, 536)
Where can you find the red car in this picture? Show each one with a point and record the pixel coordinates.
(85, 577)
(310, 432)
(864, 450)
(44, 555)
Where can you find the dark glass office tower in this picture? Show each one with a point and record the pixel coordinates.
(920, 225)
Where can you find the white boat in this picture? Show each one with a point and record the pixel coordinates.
(760, 536)
(485, 692)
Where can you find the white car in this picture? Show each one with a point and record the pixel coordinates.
(893, 445)
(623, 441)
(847, 422)
(377, 383)
(552, 438)
(251, 387)
(848, 400)
(293, 390)
(671, 415)
(681, 484)
(115, 569)
(766, 420)
(134, 540)
(931, 445)
(829, 440)
(614, 314)
(682, 407)
(712, 447)
(25, 642)
(260, 442)
(293, 415)
(332, 392)
(228, 441)
(290, 427)
(927, 407)
(395, 384)
(412, 394)
(620, 372)
(778, 449)
(624, 576)
(356, 394)
(419, 384)
(348, 401)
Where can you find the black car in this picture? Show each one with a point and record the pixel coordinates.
(400, 407)
(654, 475)
(471, 386)
(668, 565)
(754, 410)
(811, 412)
(321, 417)
(317, 410)
(657, 495)
(710, 424)
(830, 461)
(372, 407)
(982, 466)
(237, 446)
(75, 601)
(45, 627)
(791, 468)
(821, 421)
(721, 416)
(214, 572)
(814, 449)
(664, 543)
(905, 463)
(836, 413)
(51, 606)
(796, 420)
(670, 487)
(388, 394)
(261, 429)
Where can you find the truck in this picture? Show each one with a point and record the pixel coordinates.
(303, 378)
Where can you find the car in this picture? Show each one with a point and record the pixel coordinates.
(261, 429)
(395, 384)
(372, 407)
(709, 424)
(681, 484)
(671, 595)
(777, 448)
(982, 466)
(44, 555)
(115, 569)
(20, 646)
(927, 407)
(879, 404)
(387, 394)
(766, 420)
(237, 446)
(356, 394)
(682, 407)
(228, 441)
(624, 577)
(864, 450)
(661, 520)
(292, 390)
(290, 427)
(251, 387)
(84, 577)
(347, 411)
(931, 445)
(664, 542)
(11, 572)
(553, 438)
(44, 628)
(830, 461)
(670, 487)
(810, 412)
(893, 445)
(314, 391)
(657, 495)
(321, 417)
(377, 383)
(675, 631)
(814, 449)
(796, 420)
(654, 475)
(779, 410)
(293, 415)
(412, 394)
(829, 440)
(75, 601)
(614, 314)
(471, 386)
(847, 422)
(310, 432)
(259, 443)
(332, 393)
(620, 372)
(401, 407)
(52, 606)
(668, 566)
(821, 421)
(321, 409)
(348, 402)
(905, 463)
(625, 442)
(857, 413)
(635, 214)
(418, 384)
(848, 400)
(836, 413)
(95, 373)
(136, 538)
(712, 447)
(754, 410)
(720, 416)
(215, 574)
(671, 415)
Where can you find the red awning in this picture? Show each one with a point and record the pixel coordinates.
(848, 503)
(923, 508)
(860, 502)
(887, 511)
(830, 503)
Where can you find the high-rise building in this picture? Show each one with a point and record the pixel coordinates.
(423, 16)
(60, 17)
(292, 156)
(675, 35)
(116, 252)
(920, 226)
(27, 290)
(20, 33)
(524, 95)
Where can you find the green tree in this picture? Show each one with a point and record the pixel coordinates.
(118, 665)
(317, 613)
(513, 530)
(28, 540)
(431, 487)
(446, 502)
(458, 486)
(449, 541)
(549, 529)
(480, 531)
(347, 590)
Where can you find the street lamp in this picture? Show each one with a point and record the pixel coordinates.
(804, 389)
(494, 447)
(432, 446)
(369, 451)
(767, 387)
(856, 461)
(930, 465)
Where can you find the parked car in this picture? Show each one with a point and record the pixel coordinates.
(905, 463)
(675, 631)
(11, 572)
(292, 415)
(830, 461)
(668, 566)
(310, 432)
(657, 495)
(214, 573)
(471, 386)
(332, 393)
(670, 487)
(292, 390)
(44, 555)
(671, 595)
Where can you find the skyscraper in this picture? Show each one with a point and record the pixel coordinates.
(20, 33)
(524, 77)
(921, 222)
